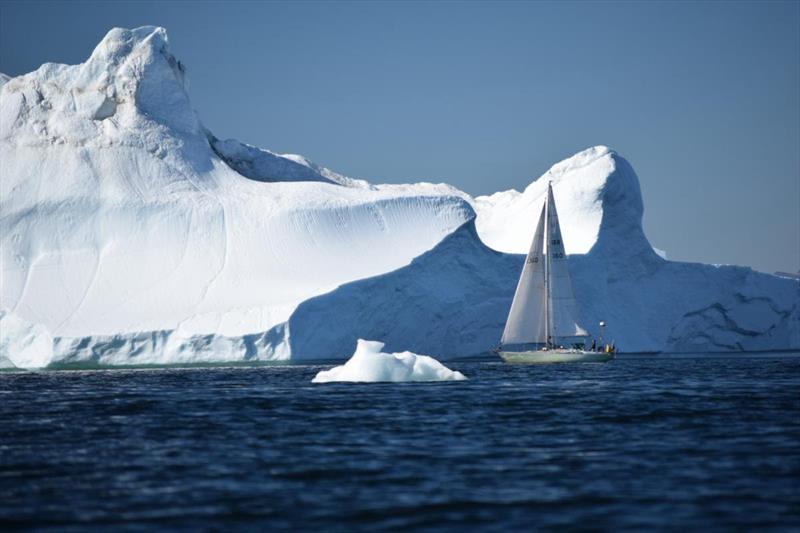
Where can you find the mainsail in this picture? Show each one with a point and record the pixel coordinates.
(544, 307)
(563, 307)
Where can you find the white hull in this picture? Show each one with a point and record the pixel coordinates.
(556, 356)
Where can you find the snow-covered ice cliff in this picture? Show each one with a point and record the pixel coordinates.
(118, 215)
(134, 235)
(23, 344)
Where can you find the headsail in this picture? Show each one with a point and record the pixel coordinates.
(526, 321)
(563, 312)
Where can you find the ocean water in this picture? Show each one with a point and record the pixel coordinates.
(643, 442)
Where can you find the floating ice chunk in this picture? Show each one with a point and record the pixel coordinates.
(368, 363)
(23, 344)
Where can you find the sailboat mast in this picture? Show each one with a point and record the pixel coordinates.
(547, 267)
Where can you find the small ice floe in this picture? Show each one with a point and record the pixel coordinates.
(368, 363)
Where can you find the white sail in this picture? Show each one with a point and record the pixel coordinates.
(526, 320)
(563, 311)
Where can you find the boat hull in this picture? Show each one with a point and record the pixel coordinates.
(555, 356)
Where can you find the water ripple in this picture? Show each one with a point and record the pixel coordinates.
(648, 442)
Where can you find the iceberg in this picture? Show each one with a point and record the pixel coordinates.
(369, 364)
(133, 235)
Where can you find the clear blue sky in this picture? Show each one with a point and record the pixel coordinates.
(702, 98)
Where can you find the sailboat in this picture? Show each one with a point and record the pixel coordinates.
(542, 324)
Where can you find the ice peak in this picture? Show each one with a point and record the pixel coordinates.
(599, 202)
(581, 159)
(141, 68)
(131, 78)
(121, 42)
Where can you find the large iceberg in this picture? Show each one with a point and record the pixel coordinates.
(370, 364)
(134, 235)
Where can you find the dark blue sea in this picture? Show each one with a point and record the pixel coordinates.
(644, 442)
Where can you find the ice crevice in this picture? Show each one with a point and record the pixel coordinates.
(729, 322)
(224, 262)
(87, 290)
